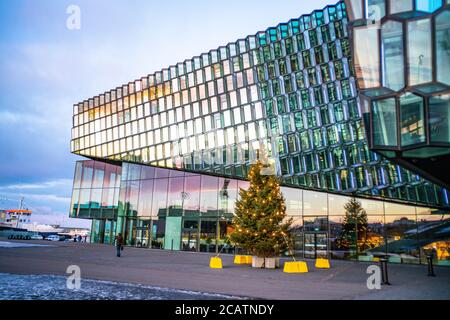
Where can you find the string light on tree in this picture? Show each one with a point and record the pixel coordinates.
(261, 212)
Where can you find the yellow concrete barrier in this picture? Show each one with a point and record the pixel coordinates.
(322, 263)
(242, 260)
(215, 263)
(295, 267)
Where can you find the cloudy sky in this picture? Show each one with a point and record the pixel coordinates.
(45, 68)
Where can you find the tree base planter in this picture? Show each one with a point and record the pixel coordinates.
(257, 262)
(268, 263)
(271, 263)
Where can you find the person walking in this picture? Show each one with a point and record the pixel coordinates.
(119, 243)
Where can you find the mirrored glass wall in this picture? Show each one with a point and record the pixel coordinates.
(175, 210)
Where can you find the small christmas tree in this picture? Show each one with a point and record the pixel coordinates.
(354, 227)
(260, 225)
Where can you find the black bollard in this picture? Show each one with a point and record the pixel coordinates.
(430, 266)
(384, 271)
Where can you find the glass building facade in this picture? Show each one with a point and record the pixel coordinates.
(182, 139)
(171, 209)
(402, 66)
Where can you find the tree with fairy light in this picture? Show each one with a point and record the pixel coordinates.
(259, 223)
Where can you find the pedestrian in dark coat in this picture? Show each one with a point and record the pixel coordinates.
(119, 244)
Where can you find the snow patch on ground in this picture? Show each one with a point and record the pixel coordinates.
(50, 287)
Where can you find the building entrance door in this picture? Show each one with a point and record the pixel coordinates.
(143, 233)
(189, 235)
(316, 245)
(189, 239)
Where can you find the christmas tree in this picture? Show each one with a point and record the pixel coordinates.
(259, 222)
(354, 227)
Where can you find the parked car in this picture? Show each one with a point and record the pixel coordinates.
(53, 237)
(37, 237)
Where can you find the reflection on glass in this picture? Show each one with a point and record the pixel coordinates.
(365, 41)
(315, 245)
(225, 228)
(374, 238)
(443, 47)
(143, 233)
(354, 237)
(411, 119)
(145, 198)
(85, 195)
(189, 236)
(88, 172)
(356, 8)
(315, 224)
(434, 238)
(74, 203)
(208, 235)
(78, 173)
(228, 189)
(398, 6)
(439, 118)
(130, 232)
(176, 197)
(191, 196)
(209, 196)
(159, 203)
(95, 201)
(336, 204)
(157, 234)
(293, 200)
(296, 230)
(376, 9)
(419, 51)
(384, 125)
(392, 49)
(401, 238)
(314, 203)
(147, 172)
(132, 195)
(428, 5)
(99, 173)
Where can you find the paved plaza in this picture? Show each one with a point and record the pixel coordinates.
(190, 271)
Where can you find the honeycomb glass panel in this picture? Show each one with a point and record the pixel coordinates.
(398, 6)
(439, 119)
(384, 122)
(367, 61)
(393, 63)
(442, 44)
(419, 51)
(411, 119)
(357, 9)
(428, 5)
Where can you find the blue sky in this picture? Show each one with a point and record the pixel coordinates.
(46, 68)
